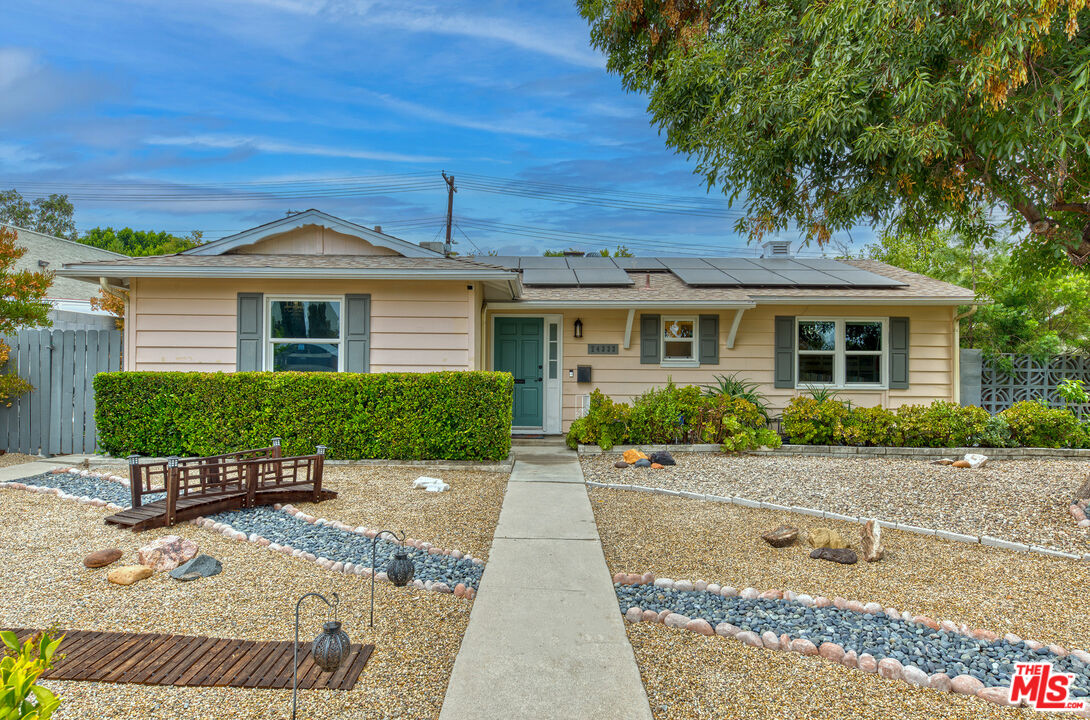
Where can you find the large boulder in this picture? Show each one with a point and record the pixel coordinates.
(826, 538)
(166, 553)
(872, 541)
(102, 558)
(129, 574)
(662, 458)
(782, 536)
(632, 455)
(198, 567)
(844, 556)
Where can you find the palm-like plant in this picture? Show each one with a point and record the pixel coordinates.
(733, 386)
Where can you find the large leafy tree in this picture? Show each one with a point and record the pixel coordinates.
(139, 242)
(823, 114)
(52, 215)
(22, 305)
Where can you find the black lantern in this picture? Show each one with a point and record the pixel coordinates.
(578, 328)
(400, 570)
(329, 650)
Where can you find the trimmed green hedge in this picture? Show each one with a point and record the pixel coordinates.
(401, 416)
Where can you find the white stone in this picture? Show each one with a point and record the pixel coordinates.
(728, 591)
(914, 676)
(665, 583)
(714, 588)
(805, 600)
(873, 608)
(749, 593)
(683, 585)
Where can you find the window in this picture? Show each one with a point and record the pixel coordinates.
(304, 335)
(841, 352)
(554, 350)
(678, 340)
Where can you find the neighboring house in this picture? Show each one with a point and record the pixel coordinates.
(71, 299)
(313, 292)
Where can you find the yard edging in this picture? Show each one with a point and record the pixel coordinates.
(986, 540)
(854, 450)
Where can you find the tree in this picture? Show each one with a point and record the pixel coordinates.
(619, 251)
(22, 304)
(52, 215)
(907, 114)
(140, 243)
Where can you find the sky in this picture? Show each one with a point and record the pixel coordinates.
(220, 115)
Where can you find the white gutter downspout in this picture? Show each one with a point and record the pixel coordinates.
(957, 350)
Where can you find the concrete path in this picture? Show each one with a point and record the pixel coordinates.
(14, 473)
(546, 638)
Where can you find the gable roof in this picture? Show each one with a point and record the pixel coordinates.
(311, 217)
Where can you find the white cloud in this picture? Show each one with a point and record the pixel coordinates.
(522, 123)
(278, 147)
(15, 64)
(20, 159)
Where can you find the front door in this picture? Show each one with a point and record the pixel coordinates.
(519, 350)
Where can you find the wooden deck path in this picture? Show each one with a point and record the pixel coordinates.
(193, 661)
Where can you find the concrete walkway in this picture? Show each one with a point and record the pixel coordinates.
(546, 638)
(14, 473)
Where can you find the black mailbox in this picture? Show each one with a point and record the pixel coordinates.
(582, 373)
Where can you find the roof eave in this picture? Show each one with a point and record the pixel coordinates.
(123, 271)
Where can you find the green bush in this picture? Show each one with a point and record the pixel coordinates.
(403, 416)
(809, 421)
(1033, 424)
(673, 414)
(22, 664)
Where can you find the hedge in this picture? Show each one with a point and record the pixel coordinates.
(402, 416)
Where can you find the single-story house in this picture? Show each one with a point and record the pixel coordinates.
(313, 292)
(70, 299)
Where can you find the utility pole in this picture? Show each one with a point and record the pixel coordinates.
(450, 209)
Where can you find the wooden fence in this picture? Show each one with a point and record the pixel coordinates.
(58, 417)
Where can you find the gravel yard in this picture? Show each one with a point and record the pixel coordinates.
(687, 675)
(1020, 500)
(14, 458)
(417, 633)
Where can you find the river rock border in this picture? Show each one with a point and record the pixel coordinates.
(1078, 512)
(854, 451)
(460, 590)
(889, 668)
(813, 512)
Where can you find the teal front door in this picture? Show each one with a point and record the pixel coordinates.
(519, 350)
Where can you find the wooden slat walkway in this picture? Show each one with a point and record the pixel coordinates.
(193, 661)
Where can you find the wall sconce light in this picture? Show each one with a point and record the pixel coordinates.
(578, 328)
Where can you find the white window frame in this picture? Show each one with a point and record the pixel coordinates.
(270, 341)
(694, 361)
(840, 353)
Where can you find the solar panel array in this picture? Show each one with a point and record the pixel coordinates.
(697, 272)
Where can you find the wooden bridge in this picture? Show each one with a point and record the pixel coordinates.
(206, 485)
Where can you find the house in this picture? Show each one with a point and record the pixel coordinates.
(313, 292)
(70, 298)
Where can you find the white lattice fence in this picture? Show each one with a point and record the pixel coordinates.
(1030, 380)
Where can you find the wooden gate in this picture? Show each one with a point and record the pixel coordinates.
(58, 417)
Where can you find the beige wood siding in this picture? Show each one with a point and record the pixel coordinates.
(312, 240)
(178, 324)
(931, 356)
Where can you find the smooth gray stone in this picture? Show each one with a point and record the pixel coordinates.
(198, 567)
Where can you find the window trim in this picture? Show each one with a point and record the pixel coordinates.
(270, 341)
(840, 354)
(694, 359)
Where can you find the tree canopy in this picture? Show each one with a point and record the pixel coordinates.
(905, 114)
(22, 305)
(619, 251)
(139, 243)
(52, 215)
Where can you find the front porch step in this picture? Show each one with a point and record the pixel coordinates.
(538, 441)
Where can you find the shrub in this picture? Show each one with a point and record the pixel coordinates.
(809, 421)
(940, 424)
(404, 416)
(1033, 424)
(733, 386)
(20, 697)
(665, 415)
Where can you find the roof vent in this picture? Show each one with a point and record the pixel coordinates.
(776, 248)
(378, 228)
(433, 246)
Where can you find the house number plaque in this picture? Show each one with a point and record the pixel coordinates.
(601, 349)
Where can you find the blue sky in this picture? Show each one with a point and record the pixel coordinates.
(207, 100)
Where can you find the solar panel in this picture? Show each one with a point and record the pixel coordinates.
(809, 277)
(536, 261)
(760, 277)
(639, 263)
(684, 262)
(778, 264)
(590, 261)
(602, 276)
(507, 261)
(854, 276)
(729, 264)
(704, 276)
(821, 263)
(549, 276)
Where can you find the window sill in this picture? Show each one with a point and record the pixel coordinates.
(679, 364)
(845, 388)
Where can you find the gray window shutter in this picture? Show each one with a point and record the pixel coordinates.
(785, 352)
(898, 353)
(357, 328)
(709, 340)
(251, 325)
(649, 339)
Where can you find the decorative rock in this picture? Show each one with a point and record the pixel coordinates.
(198, 567)
(997, 696)
(926, 621)
(166, 553)
(633, 579)
(1012, 638)
(1058, 650)
(1082, 655)
(749, 593)
(961, 464)
(620, 464)
(633, 614)
(785, 642)
(826, 538)
(831, 652)
(867, 663)
(728, 591)
(771, 595)
(782, 536)
(460, 591)
(648, 578)
(789, 595)
(749, 637)
(662, 458)
(914, 676)
(890, 668)
(803, 647)
(1033, 644)
(850, 659)
(642, 463)
(987, 635)
(102, 558)
(676, 620)
(805, 600)
(942, 461)
(683, 585)
(699, 626)
(822, 602)
(632, 455)
(770, 640)
(873, 608)
(663, 615)
(966, 685)
(666, 583)
(948, 626)
(700, 586)
(871, 541)
(619, 578)
(727, 630)
(854, 606)
(129, 574)
(650, 616)
(656, 466)
(844, 556)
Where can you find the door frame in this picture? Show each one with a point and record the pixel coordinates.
(552, 388)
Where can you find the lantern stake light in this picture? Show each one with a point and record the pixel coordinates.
(400, 570)
(329, 650)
